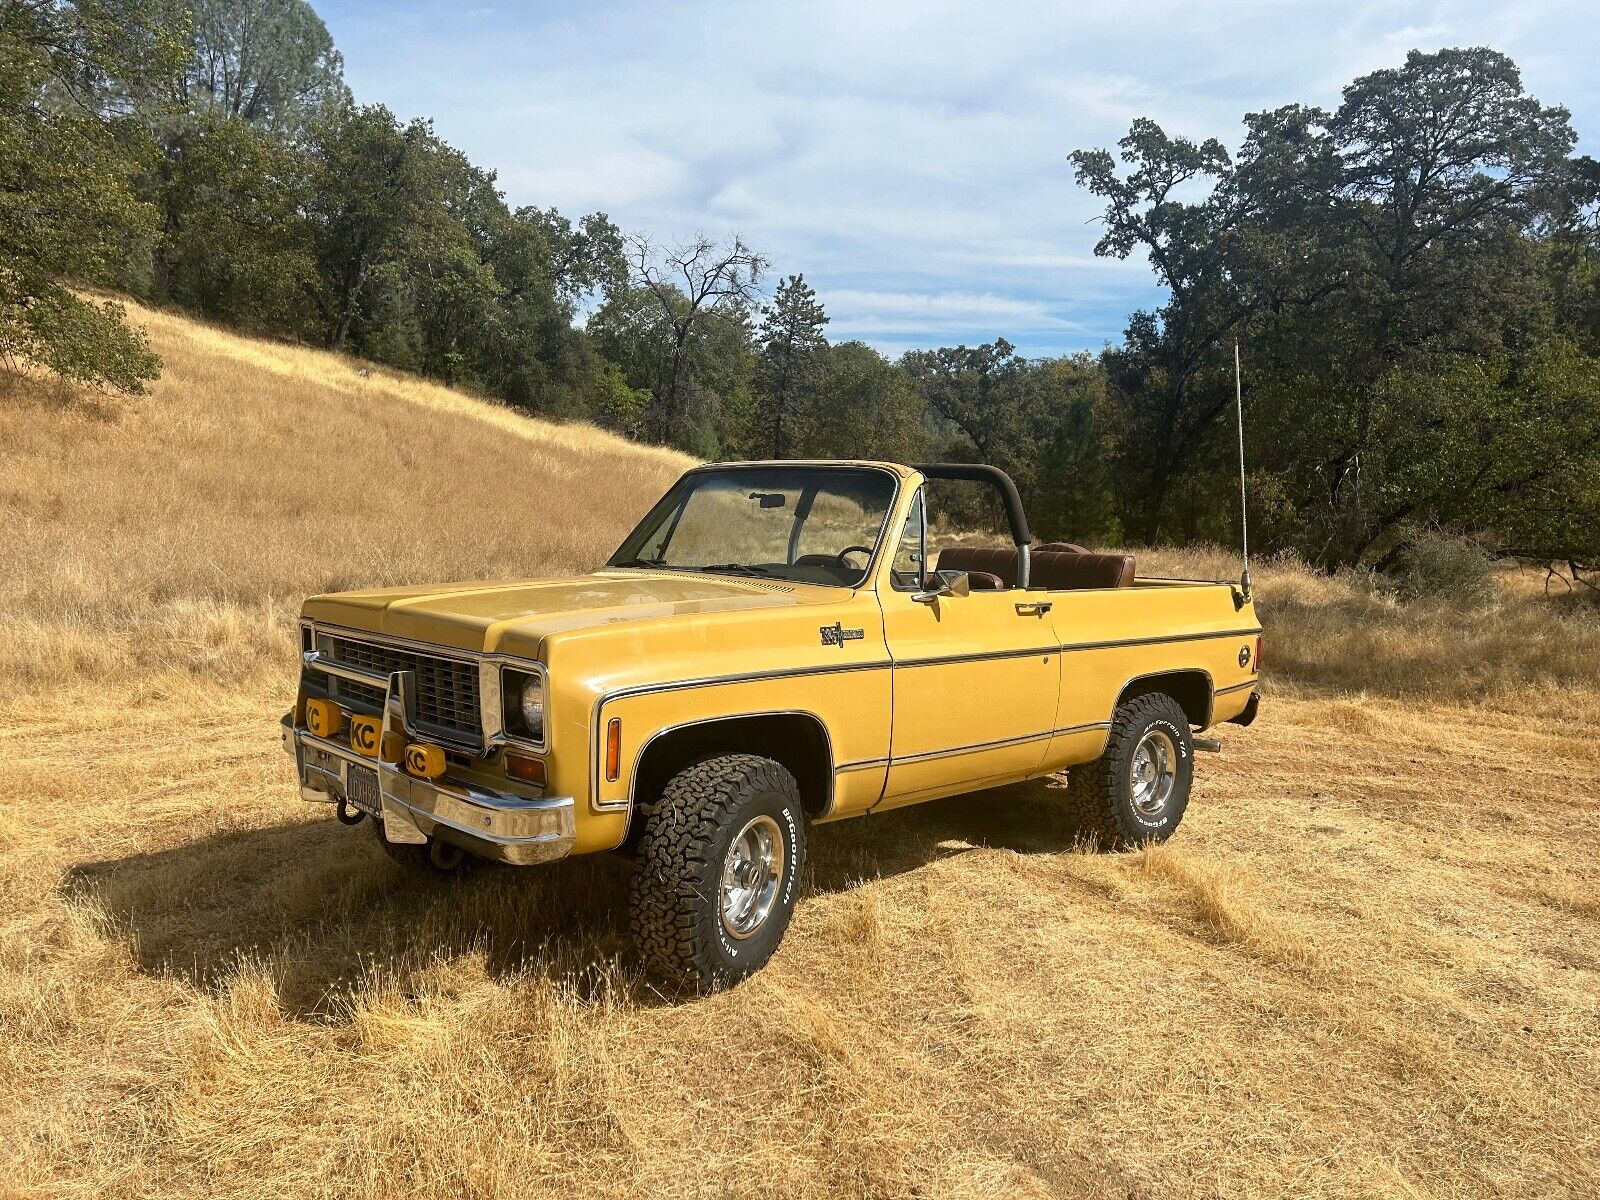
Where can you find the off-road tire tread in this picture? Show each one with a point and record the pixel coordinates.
(674, 868)
(1094, 790)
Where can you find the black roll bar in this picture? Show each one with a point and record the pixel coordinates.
(995, 477)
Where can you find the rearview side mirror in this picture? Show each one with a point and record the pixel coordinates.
(944, 583)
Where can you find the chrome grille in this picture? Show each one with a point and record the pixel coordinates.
(446, 693)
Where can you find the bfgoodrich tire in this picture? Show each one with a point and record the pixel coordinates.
(718, 868)
(1137, 791)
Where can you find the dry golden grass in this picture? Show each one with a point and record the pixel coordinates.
(1339, 634)
(183, 529)
(1369, 964)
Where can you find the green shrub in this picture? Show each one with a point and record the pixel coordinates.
(1439, 565)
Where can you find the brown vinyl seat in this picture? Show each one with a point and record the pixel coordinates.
(981, 560)
(1056, 570)
(1072, 570)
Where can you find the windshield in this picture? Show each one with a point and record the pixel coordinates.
(807, 524)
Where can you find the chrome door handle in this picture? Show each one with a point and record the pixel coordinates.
(1033, 608)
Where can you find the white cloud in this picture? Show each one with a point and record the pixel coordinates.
(876, 316)
(901, 150)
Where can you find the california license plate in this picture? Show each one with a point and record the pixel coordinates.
(361, 789)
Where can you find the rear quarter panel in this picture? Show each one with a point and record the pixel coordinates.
(1115, 636)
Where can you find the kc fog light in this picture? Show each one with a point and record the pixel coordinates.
(323, 718)
(424, 761)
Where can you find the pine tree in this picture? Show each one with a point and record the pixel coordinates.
(792, 342)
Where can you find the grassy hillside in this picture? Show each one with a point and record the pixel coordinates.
(1369, 964)
(181, 529)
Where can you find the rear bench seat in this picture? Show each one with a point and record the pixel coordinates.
(1058, 570)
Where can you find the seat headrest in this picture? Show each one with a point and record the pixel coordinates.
(1067, 570)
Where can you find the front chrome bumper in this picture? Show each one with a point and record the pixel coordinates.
(508, 828)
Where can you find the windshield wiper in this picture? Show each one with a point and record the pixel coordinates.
(642, 562)
(736, 569)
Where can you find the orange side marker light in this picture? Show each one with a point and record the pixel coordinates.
(613, 750)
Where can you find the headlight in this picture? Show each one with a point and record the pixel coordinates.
(524, 693)
(531, 706)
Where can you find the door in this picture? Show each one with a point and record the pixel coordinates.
(975, 682)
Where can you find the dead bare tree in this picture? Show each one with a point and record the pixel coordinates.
(690, 280)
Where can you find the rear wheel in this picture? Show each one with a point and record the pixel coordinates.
(1137, 791)
(718, 867)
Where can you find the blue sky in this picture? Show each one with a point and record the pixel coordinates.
(910, 158)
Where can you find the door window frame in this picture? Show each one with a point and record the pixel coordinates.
(917, 510)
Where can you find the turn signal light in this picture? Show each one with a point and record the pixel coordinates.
(530, 770)
(425, 762)
(613, 750)
(323, 717)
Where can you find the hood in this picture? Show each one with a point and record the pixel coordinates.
(481, 615)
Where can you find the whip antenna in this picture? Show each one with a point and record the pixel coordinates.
(1244, 516)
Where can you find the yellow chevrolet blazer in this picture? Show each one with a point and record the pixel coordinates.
(776, 644)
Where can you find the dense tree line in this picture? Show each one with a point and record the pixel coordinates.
(1414, 278)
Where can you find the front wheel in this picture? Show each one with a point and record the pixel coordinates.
(718, 867)
(1137, 791)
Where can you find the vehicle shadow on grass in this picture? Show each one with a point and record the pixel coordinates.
(1028, 818)
(325, 912)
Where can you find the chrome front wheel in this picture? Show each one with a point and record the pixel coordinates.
(718, 870)
(752, 872)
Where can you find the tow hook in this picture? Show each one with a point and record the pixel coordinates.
(444, 856)
(1209, 744)
(348, 815)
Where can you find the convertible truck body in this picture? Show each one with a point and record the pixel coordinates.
(528, 721)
